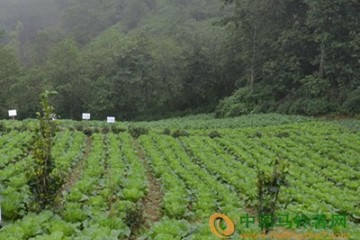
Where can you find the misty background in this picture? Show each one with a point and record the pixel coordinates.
(148, 59)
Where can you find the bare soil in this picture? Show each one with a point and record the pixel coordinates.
(153, 200)
(73, 177)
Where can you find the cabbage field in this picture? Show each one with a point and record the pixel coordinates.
(164, 179)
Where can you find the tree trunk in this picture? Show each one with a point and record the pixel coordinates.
(322, 60)
(252, 67)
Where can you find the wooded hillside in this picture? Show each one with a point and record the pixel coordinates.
(146, 59)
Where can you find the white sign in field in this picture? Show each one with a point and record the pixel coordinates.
(86, 116)
(12, 113)
(111, 119)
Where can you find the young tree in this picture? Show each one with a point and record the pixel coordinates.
(269, 185)
(40, 181)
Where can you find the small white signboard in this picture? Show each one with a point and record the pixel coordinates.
(111, 119)
(0, 216)
(86, 116)
(12, 113)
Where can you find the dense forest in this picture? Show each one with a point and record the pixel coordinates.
(148, 59)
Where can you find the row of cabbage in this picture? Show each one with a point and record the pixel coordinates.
(12, 147)
(17, 198)
(102, 203)
(191, 194)
(14, 162)
(323, 165)
(199, 176)
(323, 174)
(332, 163)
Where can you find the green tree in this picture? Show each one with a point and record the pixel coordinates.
(168, 69)
(257, 25)
(10, 71)
(334, 25)
(133, 78)
(134, 12)
(64, 71)
(204, 83)
(40, 179)
(39, 50)
(27, 88)
(85, 19)
(304, 52)
(98, 66)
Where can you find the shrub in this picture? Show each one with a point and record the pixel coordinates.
(88, 131)
(245, 101)
(238, 104)
(96, 130)
(105, 130)
(214, 134)
(167, 131)
(352, 102)
(238, 109)
(117, 130)
(311, 107)
(314, 87)
(257, 134)
(79, 127)
(137, 131)
(180, 133)
(283, 135)
(284, 107)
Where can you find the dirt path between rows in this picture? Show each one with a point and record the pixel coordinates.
(153, 200)
(73, 177)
